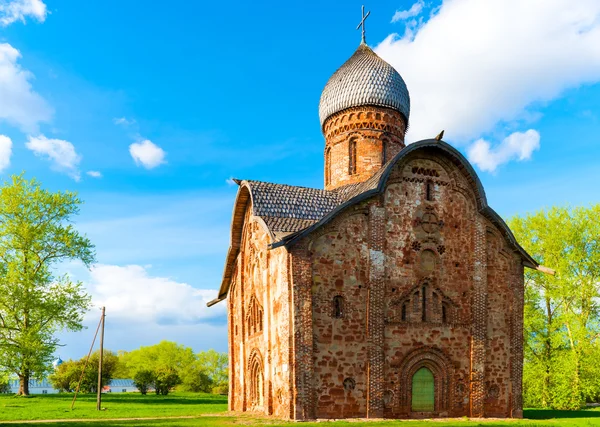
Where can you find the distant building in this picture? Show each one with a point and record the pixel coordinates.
(117, 385)
(35, 387)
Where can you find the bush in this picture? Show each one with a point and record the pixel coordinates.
(220, 389)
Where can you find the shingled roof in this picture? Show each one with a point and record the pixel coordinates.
(290, 213)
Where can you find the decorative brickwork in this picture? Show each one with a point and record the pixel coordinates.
(377, 135)
(395, 292)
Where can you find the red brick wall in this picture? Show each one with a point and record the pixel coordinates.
(370, 127)
(261, 275)
(378, 255)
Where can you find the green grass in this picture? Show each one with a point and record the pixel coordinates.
(118, 405)
(210, 410)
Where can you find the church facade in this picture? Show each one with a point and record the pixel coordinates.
(394, 292)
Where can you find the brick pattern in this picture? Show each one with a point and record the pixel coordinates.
(478, 340)
(376, 311)
(304, 403)
(414, 277)
(369, 127)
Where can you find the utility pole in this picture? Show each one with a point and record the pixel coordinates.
(99, 397)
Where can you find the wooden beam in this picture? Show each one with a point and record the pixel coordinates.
(545, 270)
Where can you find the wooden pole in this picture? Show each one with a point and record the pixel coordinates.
(86, 363)
(99, 396)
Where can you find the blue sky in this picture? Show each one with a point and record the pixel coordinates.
(165, 103)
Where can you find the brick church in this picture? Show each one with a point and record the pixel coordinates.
(394, 292)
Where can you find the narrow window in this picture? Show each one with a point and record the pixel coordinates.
(424, 305)
(444, 314)
(352, 157)
(429, 191)
(338, 306)
(328, 166)
(384, 148)
(404, 312)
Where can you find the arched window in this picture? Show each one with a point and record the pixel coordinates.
(429, 191)
(254, 317)
(352, 156)
(338, 306)
(403, 312)
(328, 166)
(384, 148)
(424, 304)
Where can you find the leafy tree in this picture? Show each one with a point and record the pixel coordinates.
(143, 380)
(35, 235)
(562, 315)
(167, 361)
(165, 380)
(215, 365)
(67, 375)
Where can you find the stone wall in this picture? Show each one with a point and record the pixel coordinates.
(259, 325)
(378, 134)
(414, 278)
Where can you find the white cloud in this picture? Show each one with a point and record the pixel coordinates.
(5, 152)
(519, 146)
(135, 296)
(61, 153)
(20, 105)
(94, 174)
(123, 121)
(17, 10)
(476, 66)
(147, 154)
(414, 10)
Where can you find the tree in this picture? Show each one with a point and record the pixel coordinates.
(143, 380)
(562, 315)
(35, 235)
(168, 362)
(215, 365)
(67, 375)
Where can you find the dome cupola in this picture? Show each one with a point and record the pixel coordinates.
(364, 79)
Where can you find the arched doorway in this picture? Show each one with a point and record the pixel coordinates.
(423, 391)
(256, 383)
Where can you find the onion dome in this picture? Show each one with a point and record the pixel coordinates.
(364, 79)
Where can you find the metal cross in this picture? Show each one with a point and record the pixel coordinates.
(362, 23)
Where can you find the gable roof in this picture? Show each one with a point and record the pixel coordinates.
(290, 213)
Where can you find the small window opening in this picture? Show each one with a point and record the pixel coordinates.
(444, 314)
(424, 304)
(328, 166)
(404, 312)
(352, 157)
(338, 306)
(384, 148)
(429, 191)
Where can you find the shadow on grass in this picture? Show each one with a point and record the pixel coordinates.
(547, 414)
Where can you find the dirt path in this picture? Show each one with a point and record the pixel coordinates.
(79, 420)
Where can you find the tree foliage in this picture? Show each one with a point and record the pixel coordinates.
(35, 235)
(67, 375)
(562, 313)
(167, 364)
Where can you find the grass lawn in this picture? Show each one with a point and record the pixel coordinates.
(118, 405)
(210, 410)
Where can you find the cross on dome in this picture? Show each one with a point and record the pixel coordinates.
(362, 23)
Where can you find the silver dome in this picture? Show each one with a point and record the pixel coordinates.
(364, 79)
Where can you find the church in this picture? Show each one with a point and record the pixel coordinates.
(393, 292)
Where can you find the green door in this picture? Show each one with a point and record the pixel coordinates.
(423, 391)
